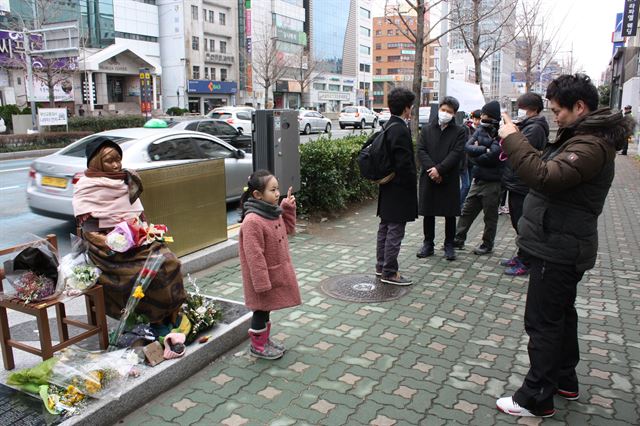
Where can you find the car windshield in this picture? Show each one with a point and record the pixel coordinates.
(350, 110)
(78, 149)
(220, 115)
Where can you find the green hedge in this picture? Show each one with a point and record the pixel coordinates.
(100, 124)
(10, 143)
(330, 176)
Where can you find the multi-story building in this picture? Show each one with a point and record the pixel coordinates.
(341, 45)
(199, 51)
(117, 39)
(394, 58)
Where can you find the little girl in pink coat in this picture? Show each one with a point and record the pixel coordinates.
(268, 277)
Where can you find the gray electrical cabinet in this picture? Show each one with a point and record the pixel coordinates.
(276, 145)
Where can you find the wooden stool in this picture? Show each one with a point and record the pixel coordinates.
(96, 325)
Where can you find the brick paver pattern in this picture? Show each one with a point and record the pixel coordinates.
(441, 354)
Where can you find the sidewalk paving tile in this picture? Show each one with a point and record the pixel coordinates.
(439, 355)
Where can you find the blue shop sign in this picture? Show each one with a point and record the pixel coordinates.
(212, 87)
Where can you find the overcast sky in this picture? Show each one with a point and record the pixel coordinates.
(584, 24)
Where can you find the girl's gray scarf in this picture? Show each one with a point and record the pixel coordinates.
(262, 208)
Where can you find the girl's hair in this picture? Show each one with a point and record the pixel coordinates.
(257, 182)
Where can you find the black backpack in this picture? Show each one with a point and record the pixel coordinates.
(374, 158)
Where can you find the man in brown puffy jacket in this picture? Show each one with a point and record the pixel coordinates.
(568, 185)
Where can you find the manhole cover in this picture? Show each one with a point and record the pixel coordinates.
(361, 288)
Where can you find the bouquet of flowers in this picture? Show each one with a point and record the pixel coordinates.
(32, 273)
(76, 272)
(66, 381)
(133, 233)
(201, 311)
(143, 280)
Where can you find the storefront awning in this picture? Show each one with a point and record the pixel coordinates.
(119, 59)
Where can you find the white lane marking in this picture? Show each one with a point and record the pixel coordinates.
(9, 187)
(14, 170)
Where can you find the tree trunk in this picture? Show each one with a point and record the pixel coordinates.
(266, 95)
(475, 34)
(417, 72)
(478, 73)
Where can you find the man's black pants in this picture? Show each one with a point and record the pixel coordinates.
(429, 229)
(551, 321)
(516, 201)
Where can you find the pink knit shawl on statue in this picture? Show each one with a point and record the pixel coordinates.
(105, 199)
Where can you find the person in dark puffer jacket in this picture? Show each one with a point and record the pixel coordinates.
(484, 153)
(535, 129)
(558, 230)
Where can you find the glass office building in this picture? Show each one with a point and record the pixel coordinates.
(329, 33)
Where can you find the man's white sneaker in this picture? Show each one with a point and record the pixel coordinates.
(508, 406)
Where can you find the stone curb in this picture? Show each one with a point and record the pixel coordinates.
(207, 257)
(168, 374)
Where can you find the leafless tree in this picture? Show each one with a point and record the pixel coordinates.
(538, 42)
(51, 71)
(268, 63)
(492, 27)
(306, 68)
(420, 35)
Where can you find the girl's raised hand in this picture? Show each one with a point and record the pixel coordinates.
(290, 197)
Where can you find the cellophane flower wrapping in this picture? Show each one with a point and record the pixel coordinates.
(67, 381)
(77, 272)
(151, 266)
(121, 238)
(31, 272)
(201, 311)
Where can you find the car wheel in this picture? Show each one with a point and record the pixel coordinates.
(307, 129)
(327, 129)
(342, 126)
(362, 124)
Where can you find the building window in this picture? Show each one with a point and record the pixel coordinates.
(119, 34)
(212, 45)
(347, 88)
(378, 46)
(212, 15)
(204, 15)
(393, 59)
(365, 13)
(223, 74)
(195, 43)
(223, 47)
(194, 13)
(319, 86)
(222, 18)
(378, 58)
(213, 73)
(365, 50)
(364, 31)
(378, 71)
(334, 87)
(378, 32)
(206, 73)
(196, 72)
(205, 44)
(365, 67)
(390, 32)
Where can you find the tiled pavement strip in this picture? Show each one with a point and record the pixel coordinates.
(441, 354)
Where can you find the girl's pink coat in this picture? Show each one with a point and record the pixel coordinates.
(268, 277)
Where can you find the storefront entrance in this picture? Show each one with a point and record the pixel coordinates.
(115, 89)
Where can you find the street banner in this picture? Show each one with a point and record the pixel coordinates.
(630, 18)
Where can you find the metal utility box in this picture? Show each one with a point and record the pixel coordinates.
(276, 145)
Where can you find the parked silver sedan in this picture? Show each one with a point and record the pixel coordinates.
(312, 121)
(51, 178)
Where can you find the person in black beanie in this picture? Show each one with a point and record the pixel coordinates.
(484, 153)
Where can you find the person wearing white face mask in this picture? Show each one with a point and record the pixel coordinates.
(440, 150)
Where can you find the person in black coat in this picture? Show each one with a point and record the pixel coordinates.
(440, 151)
(536, 131)
(397, 200)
